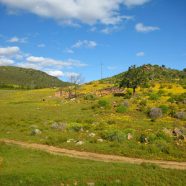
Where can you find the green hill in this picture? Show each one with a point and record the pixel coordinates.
(15, 77)
(156, 73)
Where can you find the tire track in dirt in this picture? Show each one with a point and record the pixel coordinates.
(95, 156)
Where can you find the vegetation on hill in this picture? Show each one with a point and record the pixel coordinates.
(155, 73)
(21, 78)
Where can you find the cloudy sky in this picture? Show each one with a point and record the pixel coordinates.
(69, 37)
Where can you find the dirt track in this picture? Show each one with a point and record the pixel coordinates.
(95, 156)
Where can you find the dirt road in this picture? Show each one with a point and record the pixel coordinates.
(95, 156)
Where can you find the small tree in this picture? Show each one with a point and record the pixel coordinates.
(134, 77)
(76, 80)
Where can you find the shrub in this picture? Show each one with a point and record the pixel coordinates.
(119, 94)
(121, 109)
(161, 92)
(178, 98)
(103, 103)
(143, 103)
(143, 138)
(155, 113)
(89, 97)
(164, 108)
(128, 94)
(117, 136)
(170, 87)
(154, 96)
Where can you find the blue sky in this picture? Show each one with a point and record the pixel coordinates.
(68, 37)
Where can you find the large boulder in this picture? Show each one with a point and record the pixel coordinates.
(155, 113)
(35, 132)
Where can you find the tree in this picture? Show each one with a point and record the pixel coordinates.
(134, 77)
(75, 80)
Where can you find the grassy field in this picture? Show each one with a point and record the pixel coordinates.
(23, 167)
(102, 124)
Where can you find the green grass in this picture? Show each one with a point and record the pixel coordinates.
(23, 167)
(21, 111)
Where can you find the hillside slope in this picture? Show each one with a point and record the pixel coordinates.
(156, 73)
(15, 77)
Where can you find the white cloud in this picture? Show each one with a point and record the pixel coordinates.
(72, 12)
(131, 3)
(5, 61)
(45, 62)
(17, 40)
(85, 43)
(56, 73)
(140, 27)
(140, 54)
(41, 45)
(8, 51)
(70, 51)
(71, 74)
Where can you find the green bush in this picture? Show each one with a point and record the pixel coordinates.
(121, 109)
(103, 103)
(164, 108)
(89, 97)
(116, 136)
(154, 96)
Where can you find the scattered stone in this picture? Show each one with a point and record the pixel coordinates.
(177, 132)
(80, 143)
(114, 104)
(59, 126)
(180, 115)
(92, 134)
(81, 129)
(73, 99)
(70, 140)
(36, 132)
(100, 140)
(129, 136)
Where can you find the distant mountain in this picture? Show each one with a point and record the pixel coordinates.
(156, 73)
(15, 77)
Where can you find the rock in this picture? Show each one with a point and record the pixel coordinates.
(92, 134)
(36, 132)
(100, 140)
(129, 136)
(81, 129)
(180, 115)
(114, 104)
(70, 140)
(58, 126)
(177, 132)
(80, 143)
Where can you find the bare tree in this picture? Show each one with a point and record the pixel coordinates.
(75, 80)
